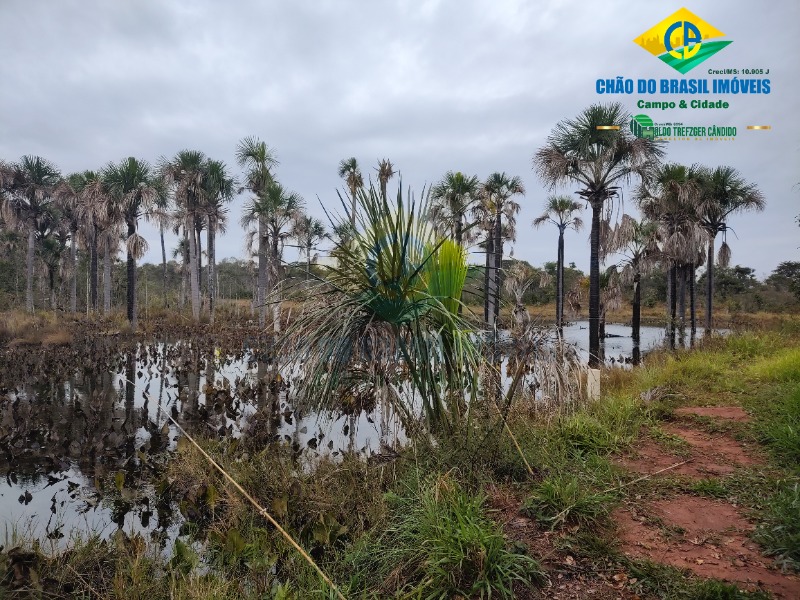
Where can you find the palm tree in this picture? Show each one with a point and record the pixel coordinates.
(219, 190)
(259, 160)
(186, 174)
(163, 217)
(496, 201)
(723, 193)
(276, 208)
(670, 199)
(27, 193)
(599, 161)
(308, 231)
(130, 187)
(350, 172)
(637, 241)
(451, 199)
(559, 210)
(385, 173)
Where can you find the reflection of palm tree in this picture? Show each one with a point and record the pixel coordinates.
(598, 160)
(724, 192)
(559, 211)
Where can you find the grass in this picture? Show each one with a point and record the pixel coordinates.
(440, 543)
(421, 526)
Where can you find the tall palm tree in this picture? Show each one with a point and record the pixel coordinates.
(28, 187)
(385, 171)
(637, 241)
(186, 174)
(276, 208)
(308, 231)
(559, 210)
(599, 161)
(351, 173)
(219, 190)
(497, 201)
(451, 199)
(670, 199)
(161, 214)
(130, 187)
(723, 192)
(259, 161)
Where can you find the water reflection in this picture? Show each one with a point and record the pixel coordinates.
(85, 438)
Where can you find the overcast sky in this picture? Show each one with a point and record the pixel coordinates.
(433, 85)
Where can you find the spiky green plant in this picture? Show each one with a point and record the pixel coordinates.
(386, 313)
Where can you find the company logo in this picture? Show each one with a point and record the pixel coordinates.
(642, 126)
(683, 40)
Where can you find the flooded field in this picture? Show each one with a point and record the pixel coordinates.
(85, 438)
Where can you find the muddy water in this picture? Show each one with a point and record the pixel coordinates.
(85, 437)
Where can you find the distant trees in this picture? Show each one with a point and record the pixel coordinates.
(27, 188)
(723, 192)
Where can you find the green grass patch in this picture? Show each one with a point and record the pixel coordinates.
(440, 543)
(780, 534)
(565, 499)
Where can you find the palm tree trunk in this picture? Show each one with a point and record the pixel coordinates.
(273, 285)
(262, 272)
(692, 303)
(560, 284)
(29, 268)
(198, 231)
(682, 274)
(163, 267)
(636, 322)
(212, 284)
(498, 263)
(107, 280)
(194, 281)
(93, 272)
(131, 267)
(487, 272)
(673, 303)
(353, 209)
(709, 285)
(594, 286)
(458, 230)
(73, 283)
(185, 269)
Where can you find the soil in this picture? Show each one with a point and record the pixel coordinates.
(708, 537)
(725, 413)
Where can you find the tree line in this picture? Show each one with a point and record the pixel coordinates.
(685, 210)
